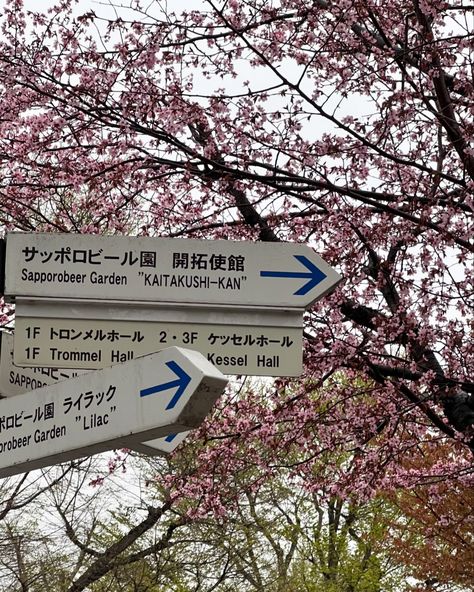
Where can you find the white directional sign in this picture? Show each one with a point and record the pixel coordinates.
(92, 343)
(17, 381)
(161, 446)
(165, 270)
(155, 396)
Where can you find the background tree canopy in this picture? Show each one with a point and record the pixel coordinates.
(346, 126)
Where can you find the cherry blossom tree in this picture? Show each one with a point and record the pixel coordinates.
(126, 535)
(343, 125)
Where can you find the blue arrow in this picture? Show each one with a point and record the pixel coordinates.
(181, 382)
(315, 275)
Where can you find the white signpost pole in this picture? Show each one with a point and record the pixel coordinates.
(151, 397)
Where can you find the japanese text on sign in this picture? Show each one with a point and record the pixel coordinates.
(193, 261)
(234, 349)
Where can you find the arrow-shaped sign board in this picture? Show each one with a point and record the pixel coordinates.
(161, 446)
(15, 380)
(155, 396)
(165, 270)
